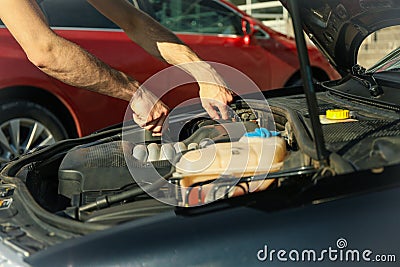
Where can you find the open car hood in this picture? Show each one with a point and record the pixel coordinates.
(338, 27)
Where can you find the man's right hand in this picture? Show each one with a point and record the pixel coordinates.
(148, 111)
(215, 96)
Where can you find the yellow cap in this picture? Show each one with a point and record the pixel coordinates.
(337, 114)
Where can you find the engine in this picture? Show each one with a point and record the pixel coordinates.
(201, 160)
(203, 151)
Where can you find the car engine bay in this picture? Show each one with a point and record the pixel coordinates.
(107, 180)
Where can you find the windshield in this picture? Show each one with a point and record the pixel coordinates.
(379, 51)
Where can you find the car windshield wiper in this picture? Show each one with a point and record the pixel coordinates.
(391, 57)
(367, 79)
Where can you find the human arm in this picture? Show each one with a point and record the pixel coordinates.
(70, 63)
(163, 44)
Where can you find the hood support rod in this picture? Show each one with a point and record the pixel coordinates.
(307, 78)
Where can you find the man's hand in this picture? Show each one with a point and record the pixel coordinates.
(148, 111)
(214, 96)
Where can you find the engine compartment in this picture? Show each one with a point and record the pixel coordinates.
(109, 181)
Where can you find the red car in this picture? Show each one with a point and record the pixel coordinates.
(37, 110)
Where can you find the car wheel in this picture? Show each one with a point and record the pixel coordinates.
(24, 126)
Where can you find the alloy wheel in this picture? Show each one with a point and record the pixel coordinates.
(21, 135)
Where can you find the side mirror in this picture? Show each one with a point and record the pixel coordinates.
(248, 31)
(247, 27)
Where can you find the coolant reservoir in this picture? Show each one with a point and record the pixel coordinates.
(247, 157)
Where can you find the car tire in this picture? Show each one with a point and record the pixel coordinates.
(25, 125)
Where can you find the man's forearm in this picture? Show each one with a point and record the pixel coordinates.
(139, 26)
(72, 65)
(58, 57)
(155, 38)
(181, 55)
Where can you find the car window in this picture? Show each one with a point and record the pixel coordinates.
(261, 34)
(201, 16)
(74, 13)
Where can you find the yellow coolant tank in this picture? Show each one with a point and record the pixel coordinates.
(247, 157)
